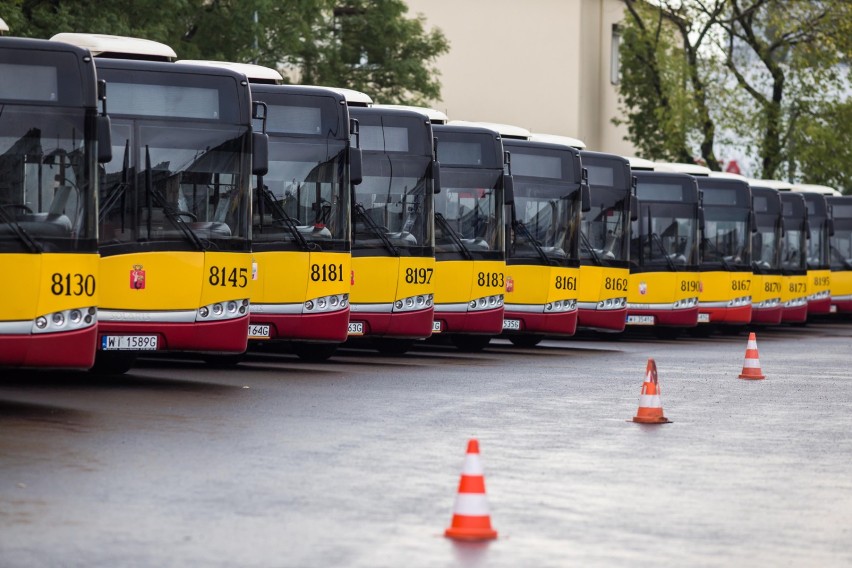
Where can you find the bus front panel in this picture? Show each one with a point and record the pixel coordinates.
(725, 297)
(469, 296)
(766, 305)
(603, 297)
(541, 299)
(663, 298)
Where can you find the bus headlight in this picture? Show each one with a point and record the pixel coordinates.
(413, 303)
(561, 306)
(486, 303)
(325, 304)
(613, 304)
(685, 303)
(65, 320)
(230, 309)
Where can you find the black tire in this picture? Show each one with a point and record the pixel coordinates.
(224, 361)
(525, 340)
(314, 352)
(471, 343)
(702, 330)
(112, 363)
(393, 346)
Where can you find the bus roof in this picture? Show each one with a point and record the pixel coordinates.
(815, 188)
(3, 26)
(117, 46)
(505, 130)
(435, 116)
(728, 175)
(641, 163)
(682, 168)
(773, 183)
(254, 73)
(557, 139)
(353, 98)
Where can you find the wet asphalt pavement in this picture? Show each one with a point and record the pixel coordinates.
(355, 462)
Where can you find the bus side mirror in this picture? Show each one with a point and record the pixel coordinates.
(634, 208)
(701, 219)
(830, 227)
(102, 125)
(356, 166)
(752, 218)
(585, 192)
(508, 190)
(259, 153)
(436, 176)
(808, 229)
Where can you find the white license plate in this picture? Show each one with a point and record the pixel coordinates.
(703, 318)
(512, 324)
(640, 320)
(258, 331)
(356, 328)
(129, 343)
(833, 308)
(436, 327)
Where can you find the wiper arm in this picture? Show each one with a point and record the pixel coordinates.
(585, 240)
(445, 225)
(289, 222)
(657, 239)
(175, 219)
(119, 190)
(719, 254)
(533, 241)
(359, 209)
(20, 232)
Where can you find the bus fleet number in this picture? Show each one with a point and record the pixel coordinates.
(566, 282)
(797, 287)
(740, 285)
(821, 281)
(772, 287)
(418, 275)
(616, 284)
(327, 272)
(689, 286)
(223, 276)
(491, 279)
(72, 284)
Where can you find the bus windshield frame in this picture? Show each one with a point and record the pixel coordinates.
(794, 244)
(765, 242)
(605, 228)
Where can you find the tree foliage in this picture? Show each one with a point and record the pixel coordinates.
(769, 76)
(368, 45)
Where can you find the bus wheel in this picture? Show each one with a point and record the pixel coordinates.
(224, 361)
(112, 363)
(525, 340)
(393, 346)
(667, 332)
(314, 352)
(702, 330)
(471, 343)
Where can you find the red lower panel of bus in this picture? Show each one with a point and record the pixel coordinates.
(843, 306)
(671, 318)
(605, 320)
(409, 325)
(819, 307)
(795, 315)
(737, 316)
(768, 316)
(549, 324)
(67, 350)
(228, 336)
(331, 327)
(487, 322)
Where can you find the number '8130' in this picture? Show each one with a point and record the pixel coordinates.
(72, 284)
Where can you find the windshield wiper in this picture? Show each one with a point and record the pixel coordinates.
(118, 192)
(585, 240)
(533, 241)
(288, 221)
(171, 215)
(360, 210)
(445, 225)
(20, 232)
(657, 239)
(724, 262)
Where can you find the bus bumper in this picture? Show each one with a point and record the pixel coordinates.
(66, 350)
(819, 306)
(795, 314)
(740, 315)
(227, 336)
(549, 324)
(767, 316)
(486, 322)
(842, 304)
(687, 317)
(330, 327)
(603, 320)
(409, 325)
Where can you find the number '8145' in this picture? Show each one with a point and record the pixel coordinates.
(224, 276)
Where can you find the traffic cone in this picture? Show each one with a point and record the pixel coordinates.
(751, 365)
(471, 519)
(650, 407)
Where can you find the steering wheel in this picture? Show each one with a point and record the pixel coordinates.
(189, 214)
(20, 206)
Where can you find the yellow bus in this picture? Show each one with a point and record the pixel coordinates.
(794, 249)
(605, 242)
(664, 282)
(470, 232)
(175, 206)
(52, 139)
(840, 249)
(393, 254)
(819, 268)
(767, 278)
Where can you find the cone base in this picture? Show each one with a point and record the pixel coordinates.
(651, 420)
(458, 533)
(752, 377)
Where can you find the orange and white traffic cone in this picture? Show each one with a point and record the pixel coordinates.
(471, 518)
(751, 365)
(650, 406)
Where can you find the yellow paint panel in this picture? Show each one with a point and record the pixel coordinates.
(723, 286)
(327, 273)
(819, 281)
(172, 281)
(602, 283)
(281, 277)
(841, 283)
(765, 286)
(416, 276)
(226, 276)
(459, 281)
(537, 285)
(36, 284)
(793, 287)
(375, 279)
(662, 287)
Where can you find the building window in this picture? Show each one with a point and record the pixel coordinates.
(614, 59)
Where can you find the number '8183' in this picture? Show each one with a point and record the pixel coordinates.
(490, 279)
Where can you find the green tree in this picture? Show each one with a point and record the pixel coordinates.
(368, 45)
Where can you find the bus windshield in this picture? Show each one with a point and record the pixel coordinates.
(817, 243)
(766, 252)
(392, 205)
(303, 199)
(468, 215)
(605, 227)
(841, 244)
(46, 164)
(665, 235)
(545, 221)
(727, 239)
(176, 181)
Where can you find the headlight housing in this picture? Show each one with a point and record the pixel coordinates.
(66, 320)
(414, 303)
(326, 304)
(485, 303)
(229, 309)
